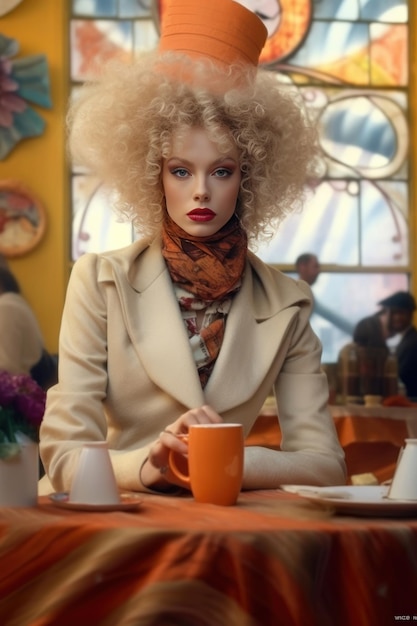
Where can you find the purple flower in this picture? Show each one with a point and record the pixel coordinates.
(30, 399)
(22, 406)
(7, 389)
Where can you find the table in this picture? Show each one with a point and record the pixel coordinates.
(274, 559)
(370, 436)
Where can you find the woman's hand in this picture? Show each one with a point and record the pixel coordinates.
(155, 471)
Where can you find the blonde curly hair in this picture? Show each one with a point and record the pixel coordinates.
(121, 128)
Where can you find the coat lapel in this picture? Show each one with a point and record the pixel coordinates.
(255, 332)
(155, 326)
(257, 325)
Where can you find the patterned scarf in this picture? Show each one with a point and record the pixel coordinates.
(206, 272)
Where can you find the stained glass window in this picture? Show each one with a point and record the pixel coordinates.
(348, 60)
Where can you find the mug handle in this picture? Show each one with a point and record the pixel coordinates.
(173, 459)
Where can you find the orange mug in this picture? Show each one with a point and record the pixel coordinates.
(215, 462)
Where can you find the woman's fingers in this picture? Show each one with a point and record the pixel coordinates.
(173, 441)
(213, 417)
(171, 438)
(201, 415)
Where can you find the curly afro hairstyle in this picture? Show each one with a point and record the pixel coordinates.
(121, 128)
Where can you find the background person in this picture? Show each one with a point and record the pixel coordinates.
(21, 340)
(186, 325)
(373, 330)
(400, 307)
(370, 347)
(308, 267)
(22, 348)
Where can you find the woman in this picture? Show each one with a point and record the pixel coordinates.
(22, 349)
(21, 338)
(186, 325)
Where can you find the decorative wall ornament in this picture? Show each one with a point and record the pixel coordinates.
(21, 81)
(22, 219)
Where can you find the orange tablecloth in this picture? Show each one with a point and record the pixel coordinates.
(370, 437)
(272, 559)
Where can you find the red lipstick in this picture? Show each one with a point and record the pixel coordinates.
(201, 215)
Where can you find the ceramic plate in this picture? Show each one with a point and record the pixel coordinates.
(357, 500)
(129, 502)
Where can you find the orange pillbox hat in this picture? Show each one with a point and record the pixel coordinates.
(222, 30)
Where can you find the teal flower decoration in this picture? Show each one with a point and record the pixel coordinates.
(21, 81)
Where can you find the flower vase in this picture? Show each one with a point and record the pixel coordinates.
(19, 477)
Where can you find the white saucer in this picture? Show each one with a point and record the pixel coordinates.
(129, 502)
(365, 500)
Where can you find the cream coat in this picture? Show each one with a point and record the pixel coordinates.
(126, 369)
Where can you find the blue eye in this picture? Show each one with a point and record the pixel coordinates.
(222, 172)
(180, 172)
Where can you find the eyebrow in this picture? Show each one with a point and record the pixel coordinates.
(189, 163)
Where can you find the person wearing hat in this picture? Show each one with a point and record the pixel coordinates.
(206, 153)
(400, 307)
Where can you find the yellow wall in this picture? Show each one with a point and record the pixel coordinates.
(39, 163)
